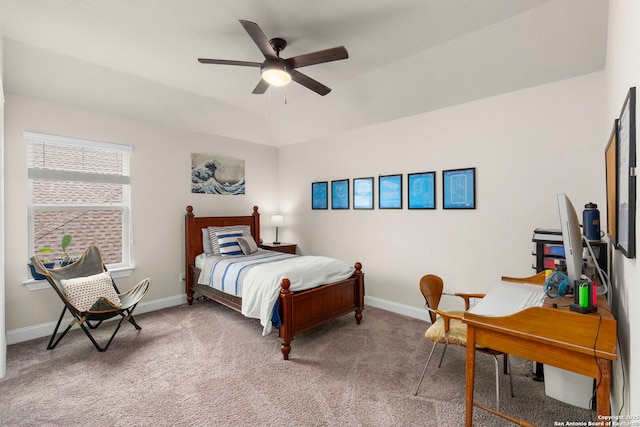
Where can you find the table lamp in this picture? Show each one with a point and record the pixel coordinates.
(277, 221)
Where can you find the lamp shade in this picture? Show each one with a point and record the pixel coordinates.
(277, 220)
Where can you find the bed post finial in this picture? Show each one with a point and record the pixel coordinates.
(256, 225)
(190, 210)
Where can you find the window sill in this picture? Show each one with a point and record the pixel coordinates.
(116, 273)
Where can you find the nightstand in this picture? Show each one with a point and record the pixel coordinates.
(287, 248)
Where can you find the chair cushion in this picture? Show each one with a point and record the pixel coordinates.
(248, 245)
(457, 331)
(83, 292)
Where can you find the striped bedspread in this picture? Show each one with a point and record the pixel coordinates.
(227, 273)
(257, 278)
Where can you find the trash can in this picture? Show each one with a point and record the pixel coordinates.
(569, 387)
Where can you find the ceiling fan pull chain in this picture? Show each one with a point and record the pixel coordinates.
(285, 87)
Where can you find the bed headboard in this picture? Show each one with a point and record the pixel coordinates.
(193, 233)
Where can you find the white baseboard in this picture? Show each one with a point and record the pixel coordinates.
(45, 329)
(406, 310)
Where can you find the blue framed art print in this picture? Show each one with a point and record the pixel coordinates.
(459, 188)
(320, 195)
(422, 190)
(390, 191)
(363, 193)
(340, 194)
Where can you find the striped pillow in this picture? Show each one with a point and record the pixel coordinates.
(228, 243)
(206, 242)
(247, 244)
(83, 292)
(215, 247)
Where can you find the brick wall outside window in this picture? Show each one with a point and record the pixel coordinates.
(77, 202)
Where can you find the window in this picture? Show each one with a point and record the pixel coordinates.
(81, 188)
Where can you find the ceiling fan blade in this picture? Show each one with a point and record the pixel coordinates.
(229, 62)
(327, 55)
(261, 87)
(309, 83)
(259, 39)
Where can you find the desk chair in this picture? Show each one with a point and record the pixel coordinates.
(447, 328)
(91, 296)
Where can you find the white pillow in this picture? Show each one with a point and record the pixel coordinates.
(228, 243)
(83, 292)
(215, 247)
(247, 244)
(206, 242)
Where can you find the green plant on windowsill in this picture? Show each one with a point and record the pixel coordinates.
(64, 245)
(66, 260)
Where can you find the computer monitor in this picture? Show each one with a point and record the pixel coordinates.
(571, 238)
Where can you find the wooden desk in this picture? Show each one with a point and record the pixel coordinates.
(581, 343)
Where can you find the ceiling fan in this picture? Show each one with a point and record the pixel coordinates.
(277, 71)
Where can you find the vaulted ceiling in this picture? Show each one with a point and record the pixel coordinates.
(406, 57)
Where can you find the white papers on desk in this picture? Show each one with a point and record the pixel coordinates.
(508, 298)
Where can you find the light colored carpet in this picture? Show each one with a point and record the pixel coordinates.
(206, 365)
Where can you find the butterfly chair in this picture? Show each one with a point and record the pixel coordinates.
(447, 328)
(90, 295)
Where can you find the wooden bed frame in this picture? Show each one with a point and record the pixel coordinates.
(299, 311)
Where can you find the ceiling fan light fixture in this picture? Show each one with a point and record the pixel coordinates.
(275, 74)
(276, 71)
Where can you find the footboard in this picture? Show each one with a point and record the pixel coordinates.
(305, 310)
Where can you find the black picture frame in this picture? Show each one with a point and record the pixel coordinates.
(320, 195)
(390, 191)
(363, 193)
(340, 194)
(611, 179)
(459, 188)
(626, 177)
(421, 190)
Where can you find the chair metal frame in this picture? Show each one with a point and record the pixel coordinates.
(90, 263)
(432, 289)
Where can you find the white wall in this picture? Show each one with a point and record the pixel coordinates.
(623, 72)
(526, 146)
(161, 189)
(3, 336)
